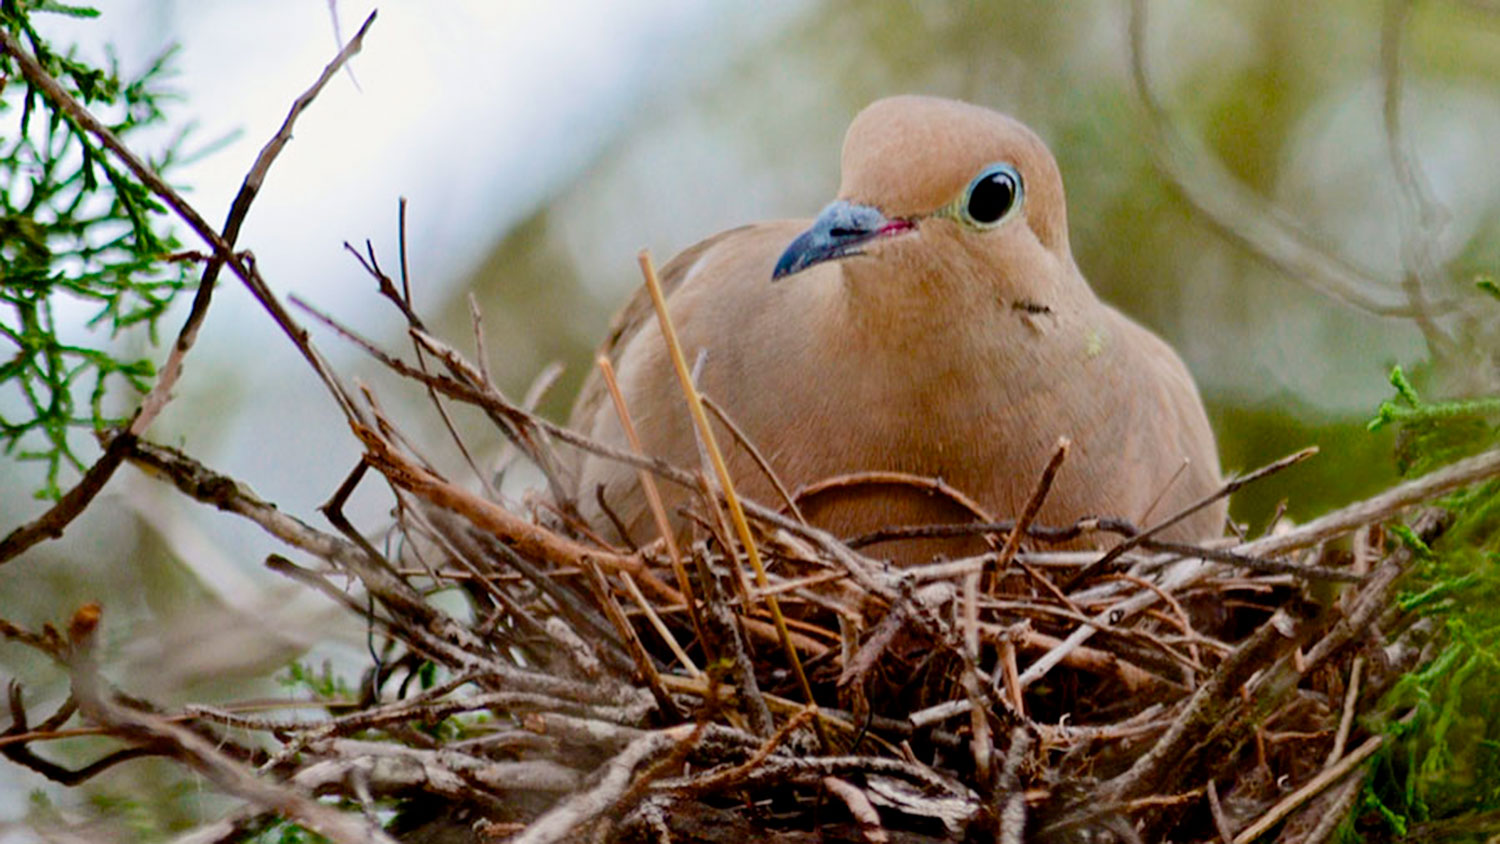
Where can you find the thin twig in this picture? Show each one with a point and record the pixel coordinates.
(1227, 489)
(203, 756)
(1310, 789)
(1374, 509)
(1346, 718)
(980, 744)
(1221, 823)
(660, 627)
(561, 821)
(755, 454)
(643, 661)
(653, 496)
(1201, 714)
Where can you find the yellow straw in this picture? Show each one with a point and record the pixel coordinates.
(736, 512)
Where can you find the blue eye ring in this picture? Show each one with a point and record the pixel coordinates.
(992, 196)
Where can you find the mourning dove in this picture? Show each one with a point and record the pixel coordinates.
(931, 321)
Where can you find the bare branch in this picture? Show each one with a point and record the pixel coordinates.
(1242, 217)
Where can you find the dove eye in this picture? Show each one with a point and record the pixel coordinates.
(992, 195)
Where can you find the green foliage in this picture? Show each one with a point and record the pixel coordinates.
(323, 684)
(1488, 285)
(284, 832)
(122, 816)
(1431, 435)
(128, 813)
(75, 226)
(1441, 767)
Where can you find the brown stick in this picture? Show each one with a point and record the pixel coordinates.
(653, 496)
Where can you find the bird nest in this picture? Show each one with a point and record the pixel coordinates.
(769, 681)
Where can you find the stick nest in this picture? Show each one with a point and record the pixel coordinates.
(600, 693)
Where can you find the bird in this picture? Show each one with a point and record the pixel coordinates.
(929, 323)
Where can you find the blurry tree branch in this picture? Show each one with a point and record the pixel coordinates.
(1264, 229)
(1421, 216)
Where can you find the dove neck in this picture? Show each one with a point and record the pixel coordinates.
(938, 303)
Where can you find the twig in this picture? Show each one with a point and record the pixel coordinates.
(535, 392)
(1224, 491)
(51, 524)
(860, 808)
(887, 478)
(1346, 718)
(560, 822)
(1028, 514)
(483, 395)
(409, 308)
(392, 769)
(1370, 602)
(718, 781)
(15, 738)
(1011, 814)
(203, 484)
(1325, 778)
(202, 756)
(661, 628)
(1379, 507)
(643, 661)
(1335, 810)
(1374, 509)
(486, 515)
(980, 744)
(1221, 823)
(755, 454)
(653, 495)
(1202, 714)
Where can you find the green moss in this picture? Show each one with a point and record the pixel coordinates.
(1438, 777)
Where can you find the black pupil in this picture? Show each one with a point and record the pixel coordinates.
(991, 197)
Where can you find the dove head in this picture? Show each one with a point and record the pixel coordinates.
(938, 186)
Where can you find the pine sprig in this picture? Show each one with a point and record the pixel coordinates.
(1432, 434)
(1442, 764)
(75, 229)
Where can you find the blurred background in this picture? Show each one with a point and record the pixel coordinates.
(540, 145)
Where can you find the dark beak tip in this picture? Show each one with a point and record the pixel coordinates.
(799, 255)
(785, 265)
